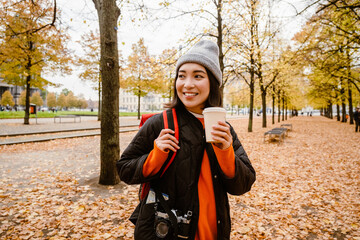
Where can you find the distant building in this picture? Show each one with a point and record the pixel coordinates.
(14, 90)
(149, 103)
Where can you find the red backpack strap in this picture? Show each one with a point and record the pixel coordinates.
(172, 116)
(176, 125)
(166, 123)
(144, 190)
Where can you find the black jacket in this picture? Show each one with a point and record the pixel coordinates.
(180, 180)
(357, 116)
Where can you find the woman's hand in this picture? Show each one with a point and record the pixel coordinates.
(166, 141)
(221, 134)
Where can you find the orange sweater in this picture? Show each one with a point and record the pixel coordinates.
(207, 227)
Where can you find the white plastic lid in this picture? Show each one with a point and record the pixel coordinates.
(214, 109)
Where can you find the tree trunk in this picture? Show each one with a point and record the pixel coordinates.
(348, 69)
(279, 101)
(286, 110)
(342, 95)
(263, 103)
(27, 100)
(273, 105)
(283, 107)
(108, 14)
(99, 105)
(331, 111)
(350, 103)
(220, 43)
(251, 110)
(338, 112)
(139, 98)
(343, 109)
(252, 67)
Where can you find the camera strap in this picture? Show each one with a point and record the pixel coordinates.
(172, 217)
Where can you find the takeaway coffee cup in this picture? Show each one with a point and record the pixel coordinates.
(211, 117)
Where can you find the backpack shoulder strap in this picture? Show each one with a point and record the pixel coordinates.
(170, 121)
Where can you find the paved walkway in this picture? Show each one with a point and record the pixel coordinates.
(13, 131)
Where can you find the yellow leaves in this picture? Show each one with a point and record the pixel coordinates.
(31, 48)
(244, 230)
(80, 208)
(164, 3)
(59, 209)
(300, 193)
(107, 235)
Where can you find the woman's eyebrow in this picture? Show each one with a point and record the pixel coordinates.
(195, 71)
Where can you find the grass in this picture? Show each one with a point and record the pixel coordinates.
(46, 114)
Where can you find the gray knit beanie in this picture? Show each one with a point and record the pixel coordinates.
(205, 53)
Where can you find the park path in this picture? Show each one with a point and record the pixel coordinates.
(306, 188)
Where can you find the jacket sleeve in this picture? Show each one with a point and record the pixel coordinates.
(130, 165)
(244, 172)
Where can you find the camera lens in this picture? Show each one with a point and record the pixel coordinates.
(162, 229)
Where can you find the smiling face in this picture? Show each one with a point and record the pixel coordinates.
(193, 86)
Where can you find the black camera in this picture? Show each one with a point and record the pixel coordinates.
(164, 228)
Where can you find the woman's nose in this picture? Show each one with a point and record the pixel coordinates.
(188, 83)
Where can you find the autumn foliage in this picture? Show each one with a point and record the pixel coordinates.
(306, 187)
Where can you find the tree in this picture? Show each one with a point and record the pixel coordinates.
(51, 100)
(90, 61)
(36, 99)
(22, 98)
(71, 100)
(167, 61)
(341, 9)
(328, 44)
(82, 104)
(31, 44)
(140, 72)
(245, 66)
(108, 14)
(65, 91)
(252, 57)
(7, 99)
(62, 101)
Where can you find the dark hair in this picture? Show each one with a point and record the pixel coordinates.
(214, 99)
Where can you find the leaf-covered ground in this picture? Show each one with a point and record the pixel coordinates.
(306, 188)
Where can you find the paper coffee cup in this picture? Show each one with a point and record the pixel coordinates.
(211, 117)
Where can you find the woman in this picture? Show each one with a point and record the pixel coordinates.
(196, 184)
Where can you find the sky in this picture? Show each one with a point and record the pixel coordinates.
(81, 17)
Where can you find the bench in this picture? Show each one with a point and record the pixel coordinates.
(67, 116)
(286, 130)
(287, 125)
(276, 134)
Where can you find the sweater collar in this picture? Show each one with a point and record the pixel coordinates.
(197, 115)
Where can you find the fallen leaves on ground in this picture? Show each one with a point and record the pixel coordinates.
(306, 187)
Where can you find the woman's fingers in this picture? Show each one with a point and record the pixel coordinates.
(221, 133)
(167, 141)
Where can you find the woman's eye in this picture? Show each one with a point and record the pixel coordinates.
(198, 76)
(181, 76)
